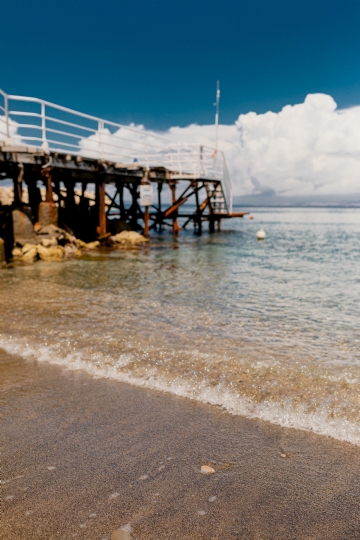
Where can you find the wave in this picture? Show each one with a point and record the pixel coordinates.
(285, 415)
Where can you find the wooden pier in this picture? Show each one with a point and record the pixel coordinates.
(94, 171)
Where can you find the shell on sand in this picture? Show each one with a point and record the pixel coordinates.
(205, 469)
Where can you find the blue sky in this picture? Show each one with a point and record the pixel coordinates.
(156, 62)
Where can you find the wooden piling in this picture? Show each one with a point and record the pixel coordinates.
(120, 188)
(100, 202)
(34, 195)
(48, 185)
(134, 209)
(146, 222)
(176, 227)
(159, 215)
(198, 220)
(18, 178)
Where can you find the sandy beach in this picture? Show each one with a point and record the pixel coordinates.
(84, 458)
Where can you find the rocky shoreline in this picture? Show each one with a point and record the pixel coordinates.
(51, 243)
(45, 241)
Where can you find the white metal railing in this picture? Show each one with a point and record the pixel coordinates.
(53, 128)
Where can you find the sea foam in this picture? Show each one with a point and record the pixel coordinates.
(285, 415)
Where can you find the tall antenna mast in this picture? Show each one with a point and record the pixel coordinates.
(217, 105)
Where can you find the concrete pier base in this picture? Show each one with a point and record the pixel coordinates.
(48, 214)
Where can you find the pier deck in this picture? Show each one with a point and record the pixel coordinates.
(72, 153)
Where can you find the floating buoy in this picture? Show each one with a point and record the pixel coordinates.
(261, 235)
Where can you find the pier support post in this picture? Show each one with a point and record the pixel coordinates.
(34, 196)
(23, 230)
(159, 218)
(48, 210)
(211, 217)
(70, 203)
(18, 178)
(49, 188)
(176, 227)
(146, 222)
(198, 211)
(120, 188)
(100, 201)
(134, 212)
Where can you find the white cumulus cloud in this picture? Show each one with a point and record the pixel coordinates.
(311, 148)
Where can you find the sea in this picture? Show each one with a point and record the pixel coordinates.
(265, 329)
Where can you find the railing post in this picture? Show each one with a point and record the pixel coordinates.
(43, 123)
(179, 160)
(169, 157)
(100, 128)
(201, 165)
(6, 106)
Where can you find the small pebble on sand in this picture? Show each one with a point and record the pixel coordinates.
(201, 513)
(10, 479)
(205, 469)
(212, 499)
(122, 534)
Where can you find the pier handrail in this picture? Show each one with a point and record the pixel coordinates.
(54, 128)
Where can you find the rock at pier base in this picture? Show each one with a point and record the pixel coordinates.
(129, 238)
(29, 252)
(17, 253)
(71, 251)
(92, 245)
(48, 242)
(47, 214)
(53, 253)
(22, 225)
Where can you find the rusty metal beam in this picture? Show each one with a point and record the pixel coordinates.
(174, 207)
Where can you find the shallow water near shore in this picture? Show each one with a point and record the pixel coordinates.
(265, 329)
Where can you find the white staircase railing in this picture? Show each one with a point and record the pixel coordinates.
(43, 125)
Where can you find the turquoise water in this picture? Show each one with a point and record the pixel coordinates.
(265, 329)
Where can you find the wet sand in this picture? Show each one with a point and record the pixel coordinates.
(83, 458)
